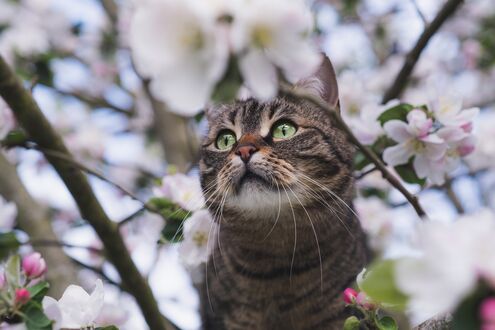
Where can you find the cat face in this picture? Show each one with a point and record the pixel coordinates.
(261, 157)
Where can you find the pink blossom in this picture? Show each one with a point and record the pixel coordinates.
(364, 301)
(487, 310)
(34, 265)
(350, 295)
(22, 296)
(488, 326)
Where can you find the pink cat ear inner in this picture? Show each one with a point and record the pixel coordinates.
(323, 83)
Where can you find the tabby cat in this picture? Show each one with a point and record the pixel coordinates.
(277, 177)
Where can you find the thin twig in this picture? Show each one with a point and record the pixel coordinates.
(413, 56)
(419, 12)
(100, 272)
(449, 189)
(365, 150)
(94, 102)
(49, 243)
(131, 217)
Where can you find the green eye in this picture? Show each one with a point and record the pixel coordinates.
(284, 130)
(226, 140)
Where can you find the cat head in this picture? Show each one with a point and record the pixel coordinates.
(263, 157)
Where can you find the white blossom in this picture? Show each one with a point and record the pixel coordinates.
(182, 189)
(179, 46)
(452, 259)
(270, 35)
(199, 238)
(8, 214)
(76, 308)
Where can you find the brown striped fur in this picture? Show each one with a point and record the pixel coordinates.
(288, 243)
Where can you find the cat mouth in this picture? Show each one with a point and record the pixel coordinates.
(252, 178)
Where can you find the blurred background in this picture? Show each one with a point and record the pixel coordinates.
(76, 56)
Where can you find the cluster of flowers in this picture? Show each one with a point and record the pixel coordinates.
(434, 138)
(196, 225)
(24, 302)
(367, 312)
(189, 48)
(444, 277)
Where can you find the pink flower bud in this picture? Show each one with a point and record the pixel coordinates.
(487, 310)
(34, 265)
(488, 326)
(22, 296)
(350, 296)
(364, 301)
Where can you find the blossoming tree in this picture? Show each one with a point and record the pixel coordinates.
(100, 112)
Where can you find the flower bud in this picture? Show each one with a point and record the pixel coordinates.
(350, 296)
(364, 301)
(487, 310)
(34, 265)
(22, 296)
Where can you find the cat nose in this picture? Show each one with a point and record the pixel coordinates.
(245, 151)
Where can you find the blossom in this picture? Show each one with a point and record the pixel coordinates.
(270, 35)
(350, 296)
(33, 265)
(446, 273)
(198, 231)
(179, 46)
(76, 308)
(376, 219)
(183, 190)
(8, 214)
(22, 296)
(414, 141)
(449, 112)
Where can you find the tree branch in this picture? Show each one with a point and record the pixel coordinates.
(30, 117)
(413, 200)
(34, 219)
(413, 56)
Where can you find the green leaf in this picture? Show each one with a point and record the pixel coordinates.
(8, 244)
(161, 203)
(387, 323)
(379, 285)
(352, 323)
(38, 291)
(408, 174)
(466, 314)
(13, 271)
(226, 90)
(34, 317)
(15, 138)
(172, 232)
(110, 327)
(399, 112)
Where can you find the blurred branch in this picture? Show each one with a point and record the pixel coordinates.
(60, 244)
(34, 219)
(449, 189)
(94, 102)
(131, 217)
(419, 12)
(413, 200)
(31, 118)
(413, 56)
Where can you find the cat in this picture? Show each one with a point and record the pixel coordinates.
(278, 180)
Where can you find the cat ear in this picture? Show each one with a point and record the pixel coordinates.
(323, 83)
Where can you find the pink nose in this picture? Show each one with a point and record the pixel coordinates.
(245, 152)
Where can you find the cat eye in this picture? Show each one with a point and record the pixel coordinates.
(225, 140)
(283, 130)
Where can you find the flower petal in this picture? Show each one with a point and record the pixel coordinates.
(259, 74)
(398, 154)
(397, 130)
